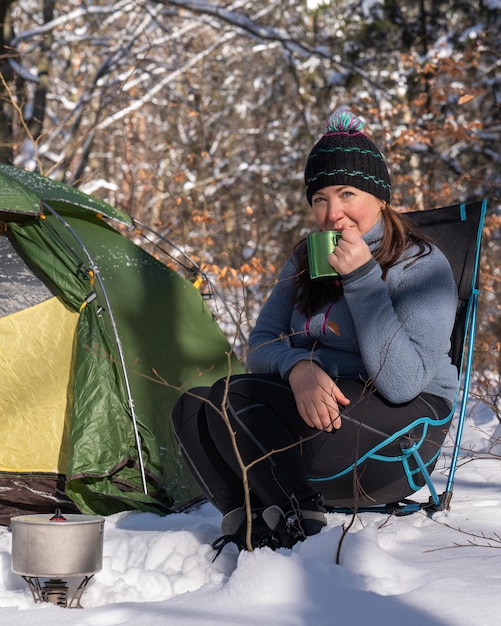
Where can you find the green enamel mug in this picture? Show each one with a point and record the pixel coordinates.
(320, 245)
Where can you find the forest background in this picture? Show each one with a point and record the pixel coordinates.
(196, 118)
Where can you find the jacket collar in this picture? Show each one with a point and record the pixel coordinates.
(373, 236)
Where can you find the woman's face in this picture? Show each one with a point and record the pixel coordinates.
(339, 207)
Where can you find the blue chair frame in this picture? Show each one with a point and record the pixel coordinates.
(445, 226)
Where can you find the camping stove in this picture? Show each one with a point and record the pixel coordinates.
(55, 547)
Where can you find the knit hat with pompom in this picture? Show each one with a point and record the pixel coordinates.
(345, 156)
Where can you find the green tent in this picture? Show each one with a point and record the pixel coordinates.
(95, 348)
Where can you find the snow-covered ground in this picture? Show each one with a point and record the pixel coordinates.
(394, 570)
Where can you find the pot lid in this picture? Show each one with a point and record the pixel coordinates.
(69, 519)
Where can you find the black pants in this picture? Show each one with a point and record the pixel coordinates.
(296, 461)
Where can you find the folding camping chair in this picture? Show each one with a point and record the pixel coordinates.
(457, 230)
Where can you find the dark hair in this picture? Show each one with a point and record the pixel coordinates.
(398, 235)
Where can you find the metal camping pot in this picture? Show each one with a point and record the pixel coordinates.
(57, 545)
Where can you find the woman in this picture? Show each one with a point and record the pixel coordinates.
(337, 364)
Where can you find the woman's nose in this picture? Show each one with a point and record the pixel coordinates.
(333, 211)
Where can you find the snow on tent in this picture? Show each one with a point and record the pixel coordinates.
(97, 339)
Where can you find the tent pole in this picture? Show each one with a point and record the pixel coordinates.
(109, 309)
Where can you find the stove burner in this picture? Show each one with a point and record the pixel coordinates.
(56, 591)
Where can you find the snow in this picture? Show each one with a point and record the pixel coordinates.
(415, 570)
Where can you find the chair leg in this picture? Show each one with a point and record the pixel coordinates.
(435, 502)
(426, 475)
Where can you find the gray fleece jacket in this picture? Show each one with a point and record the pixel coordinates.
(394, 332)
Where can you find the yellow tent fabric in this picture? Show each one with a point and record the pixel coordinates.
(36, 346)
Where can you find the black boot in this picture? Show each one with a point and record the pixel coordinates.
(273, 527)
(234, 529)
(294, 525)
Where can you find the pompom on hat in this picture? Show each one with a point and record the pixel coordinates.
(346, 156)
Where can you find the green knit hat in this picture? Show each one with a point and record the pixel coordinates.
(345, 156)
